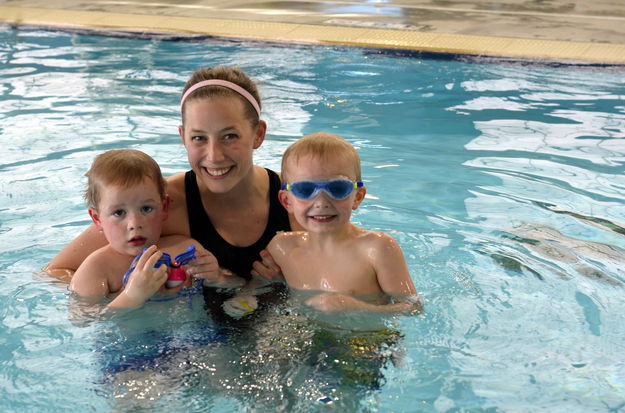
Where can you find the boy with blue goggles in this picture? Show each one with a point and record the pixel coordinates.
(352, 268)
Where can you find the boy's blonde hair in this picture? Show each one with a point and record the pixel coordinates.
(323, 146)
(121, 167)
(230, 74)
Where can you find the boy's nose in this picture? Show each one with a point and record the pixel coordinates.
(134, 221)
(322, 199)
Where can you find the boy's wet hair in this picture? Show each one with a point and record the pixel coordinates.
(323, 146)
(121, 167)
(230, 74)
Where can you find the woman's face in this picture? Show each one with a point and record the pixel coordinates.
(220, 142)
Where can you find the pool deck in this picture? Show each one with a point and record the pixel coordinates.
(551, 30)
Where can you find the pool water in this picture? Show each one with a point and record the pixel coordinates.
(504, 184)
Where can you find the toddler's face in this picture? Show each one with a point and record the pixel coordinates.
(131, 218)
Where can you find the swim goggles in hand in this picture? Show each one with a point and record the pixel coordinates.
(181, 259)
(336, 189)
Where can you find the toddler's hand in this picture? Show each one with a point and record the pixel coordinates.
(206, 267)
(144, 280)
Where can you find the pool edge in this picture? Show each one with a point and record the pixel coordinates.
(377, 38)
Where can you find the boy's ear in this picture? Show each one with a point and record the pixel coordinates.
(283, 197)
(360, 195)
(95, 217)
(259, 136)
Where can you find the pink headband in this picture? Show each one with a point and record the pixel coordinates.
(217, 82)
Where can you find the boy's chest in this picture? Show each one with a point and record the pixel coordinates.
(116, 274)
(348, 273)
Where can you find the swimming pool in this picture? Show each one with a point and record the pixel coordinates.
(504, 184)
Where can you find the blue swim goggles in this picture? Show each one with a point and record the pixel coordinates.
(181, 259)
(336, 189)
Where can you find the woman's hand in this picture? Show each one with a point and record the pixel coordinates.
(144, 281)
(206, 267)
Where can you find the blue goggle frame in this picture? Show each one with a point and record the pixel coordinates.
(337, 189)
(181, 259)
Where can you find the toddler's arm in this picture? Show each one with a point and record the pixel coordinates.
(91, 278)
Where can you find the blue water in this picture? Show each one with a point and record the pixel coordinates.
(504, 184)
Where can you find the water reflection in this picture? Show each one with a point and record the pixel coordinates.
(286, 362)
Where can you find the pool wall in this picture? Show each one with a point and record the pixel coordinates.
(326, 34)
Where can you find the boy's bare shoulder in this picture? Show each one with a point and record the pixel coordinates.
(290, 236)
(375, 241)
(375, 237)
(285, 240)
(99, 260)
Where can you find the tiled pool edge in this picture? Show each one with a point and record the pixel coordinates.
(487, 46)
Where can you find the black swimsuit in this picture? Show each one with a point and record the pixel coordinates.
(239, 260)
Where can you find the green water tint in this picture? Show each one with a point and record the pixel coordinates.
(357, 357)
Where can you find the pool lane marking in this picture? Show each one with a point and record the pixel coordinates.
(551, 50)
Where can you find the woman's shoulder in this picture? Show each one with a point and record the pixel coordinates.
(177, 221)
(175, 183)
(176, 244)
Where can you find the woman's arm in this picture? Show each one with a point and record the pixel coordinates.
(67, 261)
